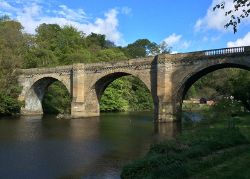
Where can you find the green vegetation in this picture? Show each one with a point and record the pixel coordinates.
(58, 104)
(210, 147)
(127, 94)
(223, 84)
(203, 150)
(217, 146)
(236, 167)
(11, 57)
(53, 45)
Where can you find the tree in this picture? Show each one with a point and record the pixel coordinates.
(55, 45)
(164, 48)
(224, 83)
(47, 35)
(239, 88)
(96, 41)
(11, 57)
(142, 48)
(70, 40)
(126, 94)
(111, 54)
(56, 99)
(240, 11)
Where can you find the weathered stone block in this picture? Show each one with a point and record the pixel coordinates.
(168, 77)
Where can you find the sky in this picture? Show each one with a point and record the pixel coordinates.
(184, 25)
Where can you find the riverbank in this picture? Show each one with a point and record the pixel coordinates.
(203, 149)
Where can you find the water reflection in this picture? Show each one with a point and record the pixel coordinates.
(191, 116)
(36, 147)
(167, 130)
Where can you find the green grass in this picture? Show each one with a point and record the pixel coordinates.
(236, 167)
(208, 149)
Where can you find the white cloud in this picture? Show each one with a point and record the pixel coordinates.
(71, 14)
(216, 19)
(172, 39)
(245, 41)
(176, 42)
(32, 14)
(33, 10)
(107, 26)
(4, 5)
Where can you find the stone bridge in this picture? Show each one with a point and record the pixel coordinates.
(168, 77)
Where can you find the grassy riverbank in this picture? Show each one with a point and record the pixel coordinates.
(210, 148)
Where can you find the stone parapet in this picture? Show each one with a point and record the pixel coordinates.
(167, 76)
(34, 71)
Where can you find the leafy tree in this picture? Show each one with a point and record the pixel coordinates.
(126, 94)
(141, 99)
(46, 36)
(111, 54)
(224, 83)
(164, 48)
(113, 97)
(56, 99)
(239, 88)
(11, 57)
(142, 48)
(242, 6)
(70, 40)
(54, 45)
(96, 41)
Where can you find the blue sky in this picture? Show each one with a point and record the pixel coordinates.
(184, 25)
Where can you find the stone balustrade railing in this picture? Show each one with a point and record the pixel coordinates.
(224, 51)
(216, 52)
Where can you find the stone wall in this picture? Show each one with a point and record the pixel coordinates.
(168, 77)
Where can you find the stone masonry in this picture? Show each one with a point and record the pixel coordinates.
(168, 77)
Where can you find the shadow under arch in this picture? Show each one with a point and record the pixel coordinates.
(35, 94)
(195, 76)
(103, 82)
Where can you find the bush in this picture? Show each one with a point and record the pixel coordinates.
(56, 99)
(9, 105)
(185, 156)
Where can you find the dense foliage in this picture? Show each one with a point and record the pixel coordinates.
(53, 45)
(189, 155)
(222, 84)
(126, 94)
(57, 99)
(12, 45)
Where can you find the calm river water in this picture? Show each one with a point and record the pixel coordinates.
(35, 147)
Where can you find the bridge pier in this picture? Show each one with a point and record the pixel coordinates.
(81, 109)
(84, 102)
(164, 87)
(167, 76)
(167, 111)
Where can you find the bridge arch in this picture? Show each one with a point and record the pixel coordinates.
(195, 75)
(98, 86)
(168, 77)
(34, 93)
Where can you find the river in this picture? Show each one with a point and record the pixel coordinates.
(45, 147)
